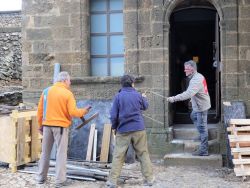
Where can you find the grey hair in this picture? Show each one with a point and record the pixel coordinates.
(191, 63)
(62, 76)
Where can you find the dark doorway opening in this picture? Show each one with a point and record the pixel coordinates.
(192, 37)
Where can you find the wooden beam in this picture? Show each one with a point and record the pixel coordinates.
(105, 143)
(90, 143)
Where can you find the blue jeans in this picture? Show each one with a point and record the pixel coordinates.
(200, 121)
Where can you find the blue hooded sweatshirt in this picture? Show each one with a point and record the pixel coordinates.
(126, 115)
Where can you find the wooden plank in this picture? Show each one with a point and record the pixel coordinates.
(240, 121)
(241, 150)
(21, 140)
(240, 172)
(95, 146)
(90, 142)
(243, 128)
(105, 143)
(35, 144)
(241, 161)
(239, 138)
(241, 144)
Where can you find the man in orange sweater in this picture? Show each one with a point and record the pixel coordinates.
(56, 107)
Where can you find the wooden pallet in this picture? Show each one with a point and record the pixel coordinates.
(239, 139)
(20, 141)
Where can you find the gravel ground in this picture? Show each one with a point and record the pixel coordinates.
(166, 177)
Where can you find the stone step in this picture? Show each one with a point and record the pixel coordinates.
(189, 131)
(188, 146)
(187, 159)
(184, 117)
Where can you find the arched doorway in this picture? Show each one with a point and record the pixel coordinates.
(194, 34)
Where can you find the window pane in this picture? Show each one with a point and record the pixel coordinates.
(99, 67)
(117, 66)
(116, 44)
(98, 45)
(116, 4)
(116, 22)
(98, 5)
(99, 23)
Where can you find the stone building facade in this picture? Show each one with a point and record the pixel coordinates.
(157, 33)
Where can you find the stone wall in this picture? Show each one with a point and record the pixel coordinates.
(10, 58)
(10, 46)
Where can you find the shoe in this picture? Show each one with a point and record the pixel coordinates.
(40, 181)
(148, 182)
(110, 185)
(198, 153)
(65, 183)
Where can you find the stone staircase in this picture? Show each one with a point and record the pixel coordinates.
(183, 145)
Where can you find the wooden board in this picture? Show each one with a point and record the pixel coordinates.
(240, 121)
(95, 146)
(105, 143)
(90, 142)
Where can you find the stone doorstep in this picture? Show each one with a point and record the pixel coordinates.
(189, 132)
(187, 159)
(190, 145)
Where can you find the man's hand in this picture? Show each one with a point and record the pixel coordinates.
(40, 129)
(171, 99)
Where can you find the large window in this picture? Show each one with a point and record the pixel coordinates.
(107, 46)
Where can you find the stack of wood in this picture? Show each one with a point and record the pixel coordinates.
(239, 139)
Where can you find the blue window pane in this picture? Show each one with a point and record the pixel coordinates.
(99, 23)
(116, 44)
(98, 45)
(116, 4)
(98, 5)
(117, 66)
(99, 67)
(116, 22)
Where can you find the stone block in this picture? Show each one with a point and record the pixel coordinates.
(144, 4)
(130, 17)
(61, 45)
(38, 34)
(230, 52)
(157, 14)
(132, 56)
(144, 55)
(144, 29)
(143, 16)
(244, 12)
(62, 33)
(131, 41)
(69, 7)
(130, 5)
(157, 54)
(51, 21)
(231, 39)
(156, 28)
(130, 28)
(244, 65)
(231, 66)
(230, 12)
(145, 68)
(77, 70)
(244, 25)
(26, 46)
(230, 93)
(158, 69)
(230, 80)
(43, 46)
(244, 38)
(231, 25)
(38, 7)
(25, 82)
(244, 53)
(37, 58)
(38, 83)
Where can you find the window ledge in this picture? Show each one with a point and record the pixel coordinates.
(97, 80)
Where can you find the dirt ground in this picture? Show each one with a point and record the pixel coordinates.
(165, 177)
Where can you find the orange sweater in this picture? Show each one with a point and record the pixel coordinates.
(61, 106)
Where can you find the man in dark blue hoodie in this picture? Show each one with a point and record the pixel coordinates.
(127, 122)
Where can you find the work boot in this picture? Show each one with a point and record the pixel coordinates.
(148, 182)
(65, 183)
(199, 153)
(110, 185)
(40, 181)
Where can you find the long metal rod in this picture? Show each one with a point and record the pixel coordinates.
(68, 176)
